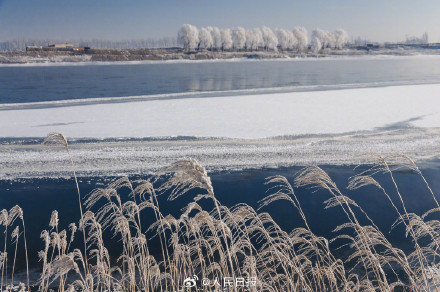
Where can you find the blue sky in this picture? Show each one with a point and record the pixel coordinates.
(386, 20)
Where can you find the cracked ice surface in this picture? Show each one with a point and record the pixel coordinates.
(113, 158)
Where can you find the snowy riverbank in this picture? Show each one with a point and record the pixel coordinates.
(160, 55)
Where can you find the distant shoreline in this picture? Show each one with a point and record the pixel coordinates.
(157, 55)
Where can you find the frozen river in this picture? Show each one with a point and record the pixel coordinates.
(36, 83)
(338, 109)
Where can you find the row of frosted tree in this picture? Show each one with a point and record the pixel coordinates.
(21, 44)
(212, 38)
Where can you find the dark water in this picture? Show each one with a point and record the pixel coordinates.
(39, 197)
(21, 84)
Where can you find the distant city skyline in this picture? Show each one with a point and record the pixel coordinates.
(374, 20)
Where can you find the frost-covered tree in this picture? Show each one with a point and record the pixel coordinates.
(269, 38)
(205, 38)
(341, 38)
(258, 37)
(300, 34)
(226, 39)
(331, 39)
(188, 37)
(216, 37)
(293, 41)
(315, 44)
(286, 39)
(254, 39)
(238, 38)
(320, 35)
(250, 40)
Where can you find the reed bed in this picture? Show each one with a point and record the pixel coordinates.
(212, 247)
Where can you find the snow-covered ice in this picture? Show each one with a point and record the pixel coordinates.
(233, 132)
(244, 116)
(118, 157)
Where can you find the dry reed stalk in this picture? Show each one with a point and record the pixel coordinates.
(60, 139)
(232, 241)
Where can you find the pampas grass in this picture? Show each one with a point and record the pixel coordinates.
(219, 242)
(8, 219)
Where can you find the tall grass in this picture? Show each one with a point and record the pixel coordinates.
(216, 242)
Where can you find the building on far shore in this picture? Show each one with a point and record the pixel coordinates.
(58, 47)
(61, 46)
(32, 48)
(80, 49)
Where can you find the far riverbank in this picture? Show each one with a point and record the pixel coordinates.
(113, 55)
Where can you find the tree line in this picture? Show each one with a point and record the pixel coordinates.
(190, 38)
(21, 44)
(213, 38)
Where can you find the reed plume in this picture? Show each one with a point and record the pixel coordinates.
(218, 242)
